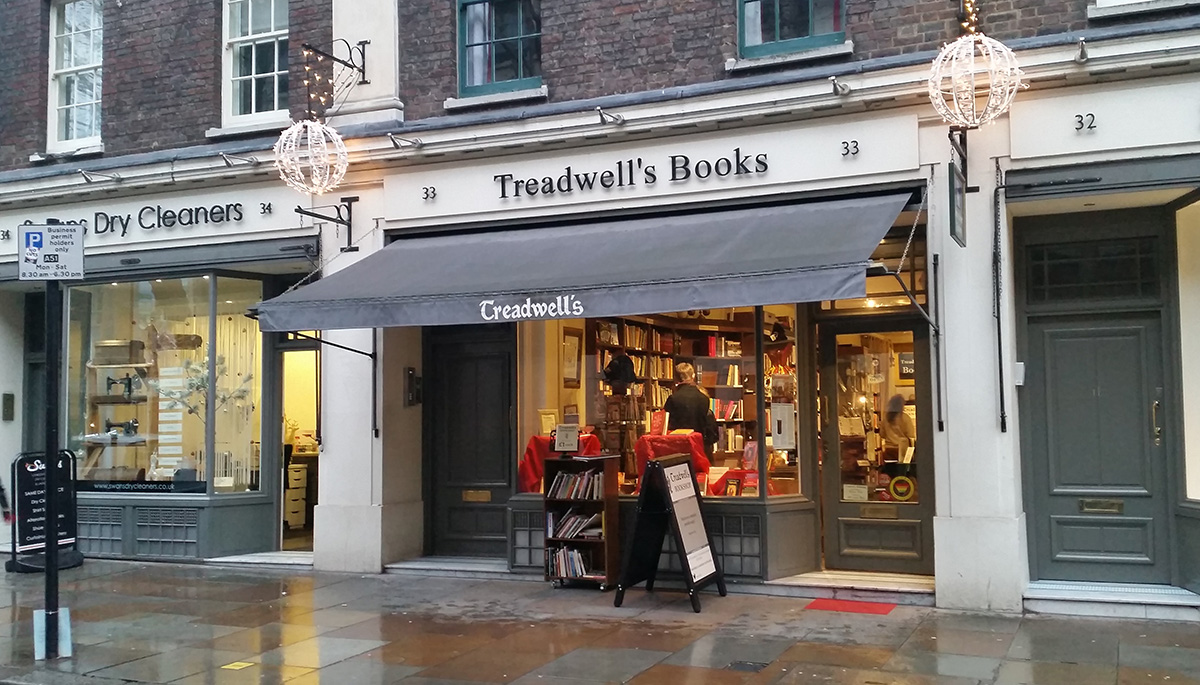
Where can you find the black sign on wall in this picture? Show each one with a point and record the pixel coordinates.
(29, 501)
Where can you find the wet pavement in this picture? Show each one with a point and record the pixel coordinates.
(200, 625)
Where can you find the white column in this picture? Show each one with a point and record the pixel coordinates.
(376, 21)
(981, 553)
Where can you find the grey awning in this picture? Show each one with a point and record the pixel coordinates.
(734, 258)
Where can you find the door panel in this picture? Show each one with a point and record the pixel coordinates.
(877, 466)
(470, 382)
(1095, 390)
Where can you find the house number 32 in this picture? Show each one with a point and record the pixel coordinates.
(1085, 122)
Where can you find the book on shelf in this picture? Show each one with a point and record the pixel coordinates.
(572, 524)
(569, 563)
(606, 333)
(586, 485)
(712, 345)
(732, 348)
(726, 410)
(733, 375)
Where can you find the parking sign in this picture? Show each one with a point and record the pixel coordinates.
(50, 252)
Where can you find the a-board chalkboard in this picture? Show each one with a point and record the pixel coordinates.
(30, 527)
(669, 500)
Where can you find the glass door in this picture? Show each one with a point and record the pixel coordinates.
(877, 466)
(301, 446)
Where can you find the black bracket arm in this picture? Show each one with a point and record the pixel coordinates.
(356, 57)
(344, 216)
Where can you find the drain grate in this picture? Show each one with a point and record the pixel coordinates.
(750, 666)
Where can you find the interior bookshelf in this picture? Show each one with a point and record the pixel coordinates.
(582, 532)
(721, 350)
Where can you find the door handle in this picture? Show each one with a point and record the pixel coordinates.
(1154, 419)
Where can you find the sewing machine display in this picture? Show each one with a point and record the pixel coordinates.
(119, 417)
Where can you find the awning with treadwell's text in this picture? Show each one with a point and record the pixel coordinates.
(733, 258)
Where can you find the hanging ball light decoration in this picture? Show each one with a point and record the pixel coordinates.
(311, 157)
(974, 80)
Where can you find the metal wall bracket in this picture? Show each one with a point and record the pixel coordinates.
(356, 56)
(344, 217)
(958, 144)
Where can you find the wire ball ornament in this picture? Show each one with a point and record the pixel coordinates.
(974, 80)
(311, 157)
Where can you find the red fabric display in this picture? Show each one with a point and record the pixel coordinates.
(531, 468)
(655, 446)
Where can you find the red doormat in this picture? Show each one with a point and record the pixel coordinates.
(851, 607)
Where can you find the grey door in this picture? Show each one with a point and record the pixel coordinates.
(470, 379)
(877, 492)
(1096, 444)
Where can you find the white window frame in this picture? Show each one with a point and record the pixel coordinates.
(229, 119)
(53, 142)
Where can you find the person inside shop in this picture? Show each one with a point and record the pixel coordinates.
(899, 433)
(688, 408)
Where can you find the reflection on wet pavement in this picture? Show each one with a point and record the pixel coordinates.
(145, 623)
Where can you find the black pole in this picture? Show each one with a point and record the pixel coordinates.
(53, 345)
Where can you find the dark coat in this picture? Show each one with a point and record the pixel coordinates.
(689, 408)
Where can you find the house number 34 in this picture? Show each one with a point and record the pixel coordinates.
(1085, 122)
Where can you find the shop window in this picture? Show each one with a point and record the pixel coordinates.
(237, 387)
(679, 382)
(151, 391)
(772, 27)
(782, 429)
(76, 55)
(500, 46)
(877, 418)
(1101, 269)
(256, 61)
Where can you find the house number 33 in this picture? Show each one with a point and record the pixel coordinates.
(849, 148)
(1085, 122)
(428, 193)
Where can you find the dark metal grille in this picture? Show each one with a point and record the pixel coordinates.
(1093, 270)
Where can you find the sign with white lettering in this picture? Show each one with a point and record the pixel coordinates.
(50, 252)
(29, 501)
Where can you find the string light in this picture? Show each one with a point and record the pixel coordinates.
(974, 79)
(311, 157)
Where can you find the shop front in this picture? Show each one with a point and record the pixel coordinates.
(171, 400)
(802, 320)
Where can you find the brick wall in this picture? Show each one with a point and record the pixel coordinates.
(162, 66)
(162, 80)
(162, 72)
(24, 32)
(594, 48)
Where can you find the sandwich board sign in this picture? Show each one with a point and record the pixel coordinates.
(50, 252)
(669, 499)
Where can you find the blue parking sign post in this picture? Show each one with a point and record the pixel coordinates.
(51, 252)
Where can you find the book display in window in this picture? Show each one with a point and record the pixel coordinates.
(581, 520)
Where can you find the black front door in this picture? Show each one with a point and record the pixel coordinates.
(1096, 440)
(1095, 400)
(470, 397)
(877, 494)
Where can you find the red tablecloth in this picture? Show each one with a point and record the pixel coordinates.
(531, 468)
(655, 446)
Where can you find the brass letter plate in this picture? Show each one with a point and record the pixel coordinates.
(1101, 506)
(878, 511)
(477, 495)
